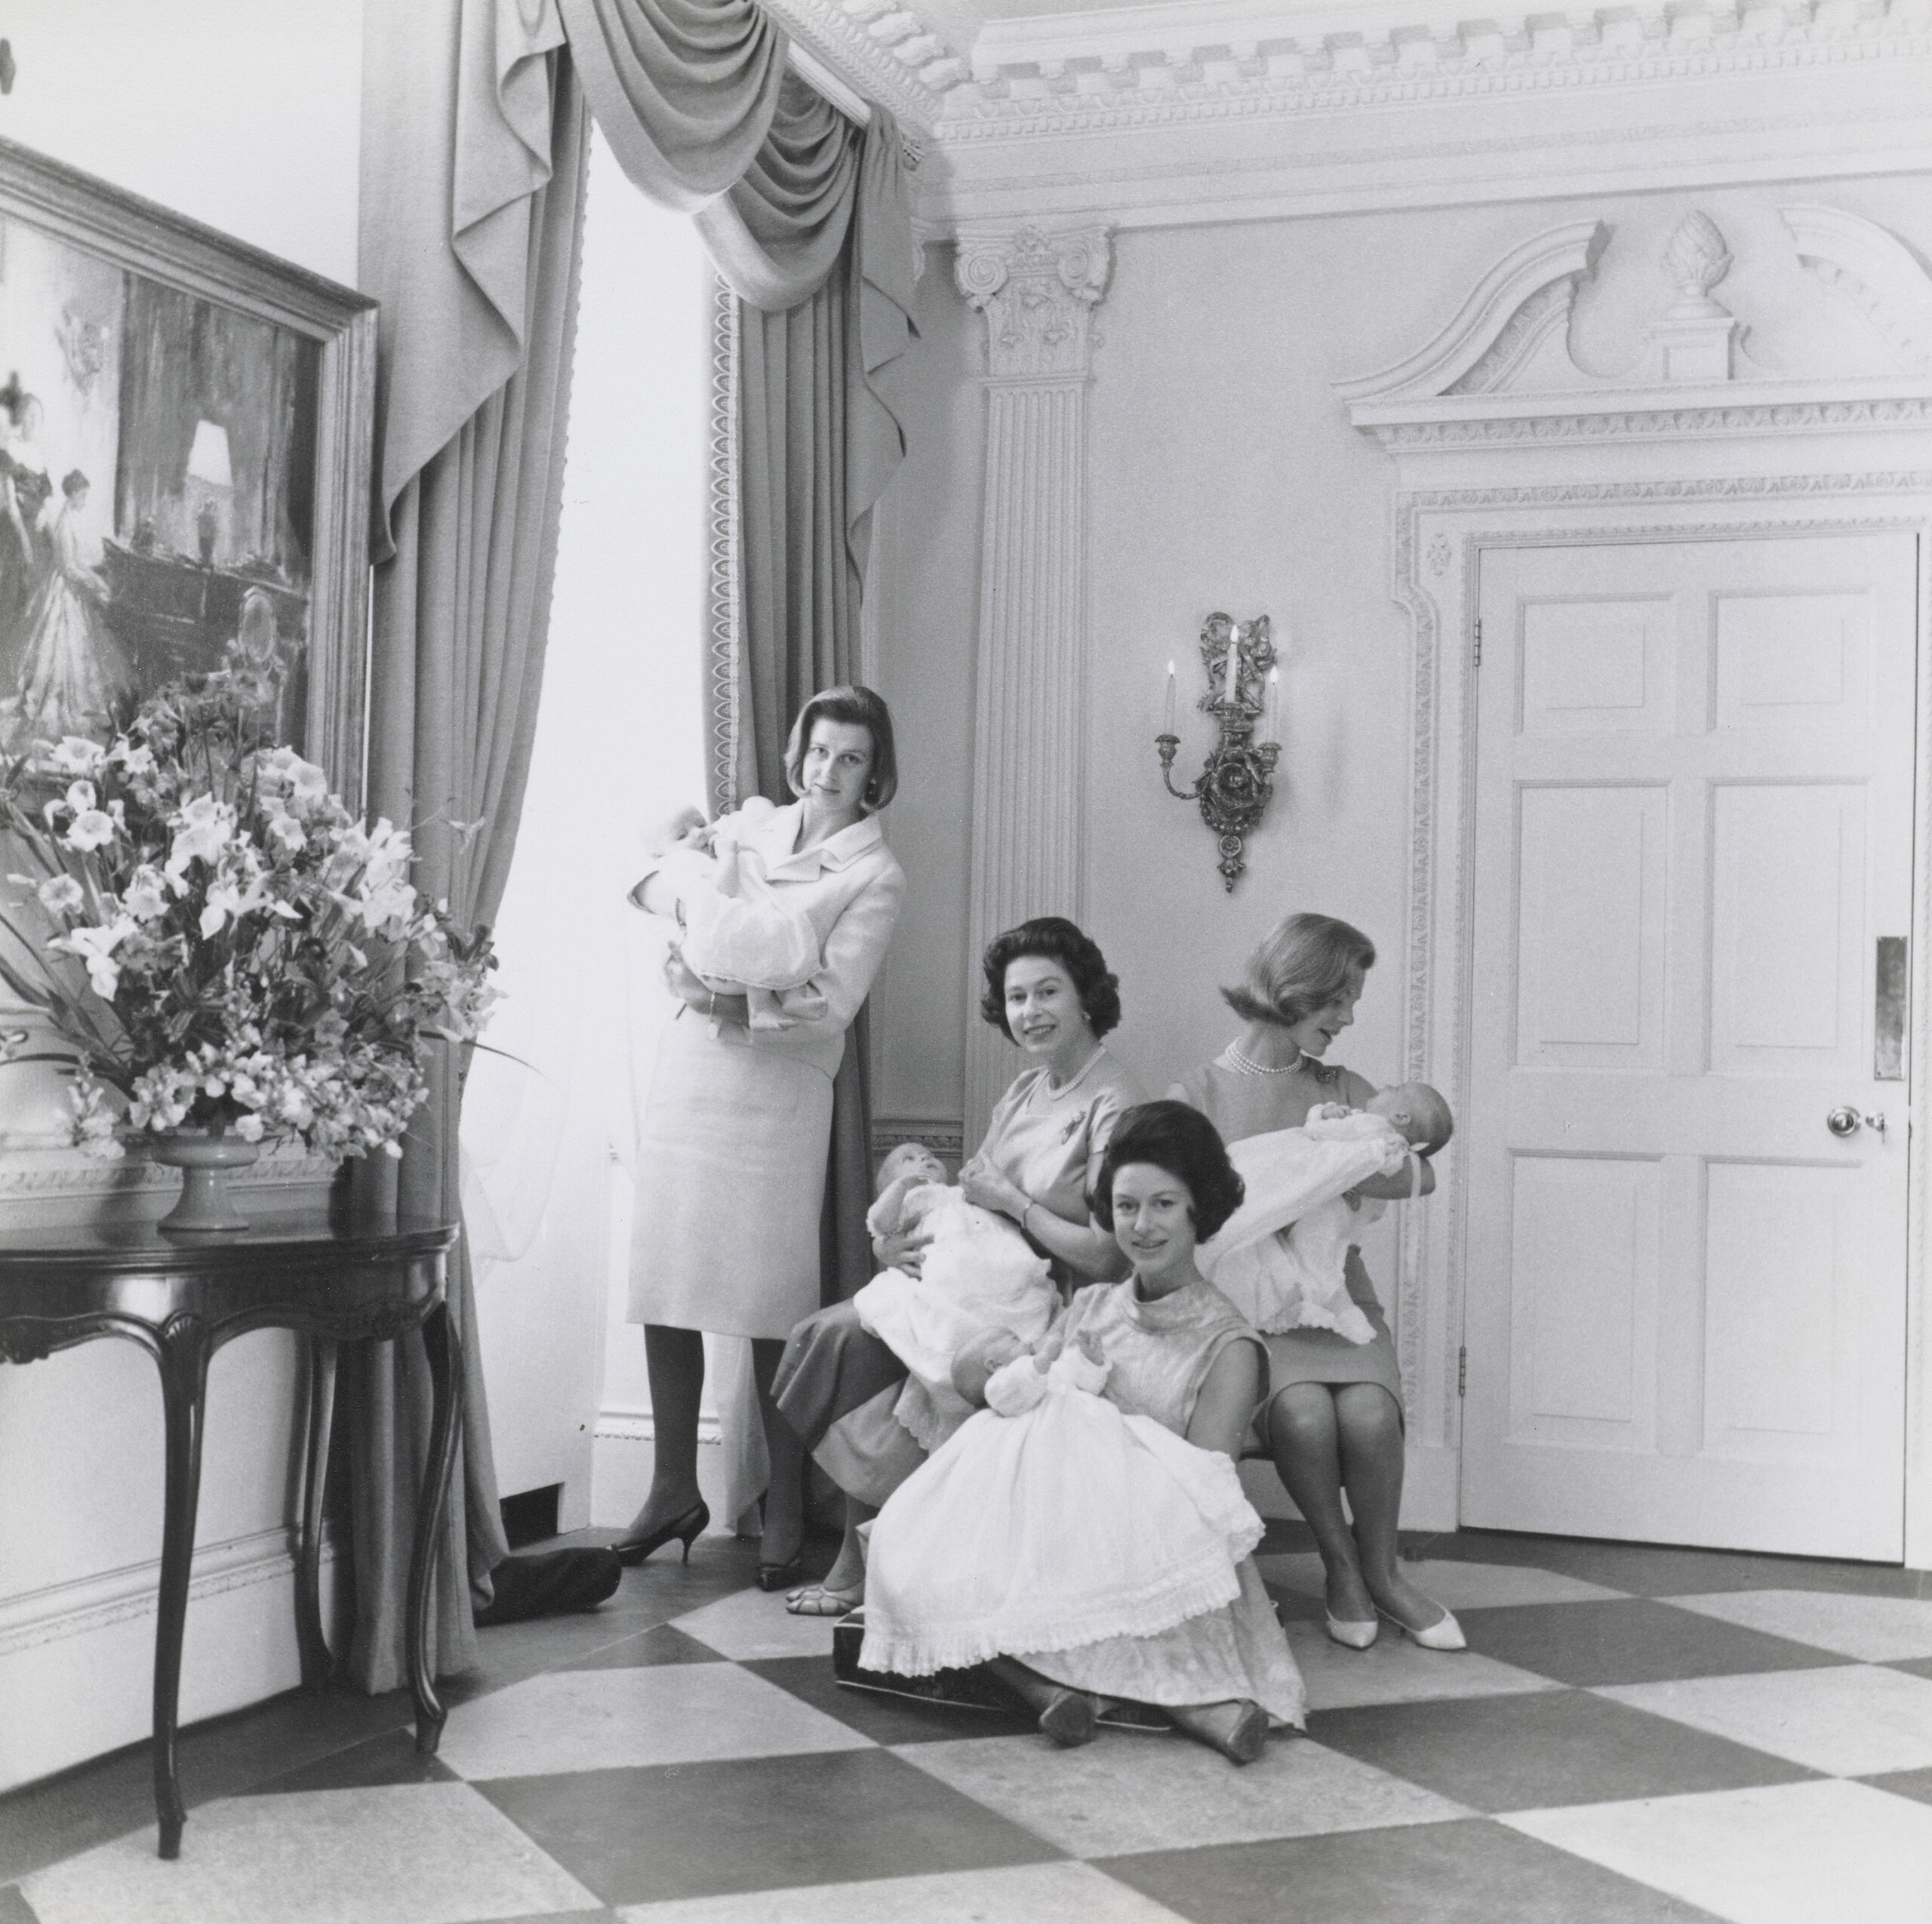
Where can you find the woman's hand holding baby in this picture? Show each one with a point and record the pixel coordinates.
(987, 1188)
(903, 1249)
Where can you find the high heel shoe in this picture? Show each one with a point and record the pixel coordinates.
(1352, 1635)
(1068, 1719)
(1445, 1634)
(690, 1526)
(779, 1576)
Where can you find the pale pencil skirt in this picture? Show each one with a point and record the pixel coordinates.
(732, 1144)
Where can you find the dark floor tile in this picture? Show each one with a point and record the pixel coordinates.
(1472, 1872)
(1916, 1784)
(1630, 1640)
(1650, 1569)
(44, 1822)
(1283, 1536)
(1543, 1748)
(635, 1836)
(883, 1718)
(14, 1909)
(392, 1758)
(662, 1644)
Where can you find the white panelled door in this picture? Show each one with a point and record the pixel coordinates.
(1686, 1293)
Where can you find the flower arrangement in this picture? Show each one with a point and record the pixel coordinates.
(215, 937)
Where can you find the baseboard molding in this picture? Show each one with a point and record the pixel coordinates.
(93, 1603)
(618, 1423)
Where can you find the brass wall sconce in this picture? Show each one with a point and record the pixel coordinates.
(1244, 685)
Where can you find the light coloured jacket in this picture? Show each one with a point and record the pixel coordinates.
(851, 888)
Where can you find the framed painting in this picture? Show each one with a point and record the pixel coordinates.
(185, 428)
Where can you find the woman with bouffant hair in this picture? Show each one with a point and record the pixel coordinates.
(1049, 992)
(1334, 1419)
(735, 1126)
(1085, 1536)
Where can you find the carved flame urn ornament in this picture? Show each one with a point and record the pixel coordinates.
(1235, 783)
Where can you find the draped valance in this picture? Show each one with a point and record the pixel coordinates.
(695, 99)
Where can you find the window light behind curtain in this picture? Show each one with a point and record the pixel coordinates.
(472, 195)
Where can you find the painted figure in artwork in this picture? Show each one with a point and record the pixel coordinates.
(26, 488)
(73, 672)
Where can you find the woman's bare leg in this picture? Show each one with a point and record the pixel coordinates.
(1370, 1428)
(676, 1360)
(1304, 1435)
(785, 1496)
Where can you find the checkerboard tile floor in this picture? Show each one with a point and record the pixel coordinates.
(1635, 1734)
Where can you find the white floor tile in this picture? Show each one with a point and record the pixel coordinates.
(753, 1623)
(1025, 1894)
(1849, 1720)
(1129, 1791)
(410, 1853)
(1455, 1586)
(1394, 1671)
(1791, 1854)
(571, 1720)
(1876, 1630)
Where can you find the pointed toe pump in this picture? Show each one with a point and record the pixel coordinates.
(1445, 1634)
(1355, 1636)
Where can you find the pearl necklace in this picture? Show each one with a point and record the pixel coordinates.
(1244, 1064)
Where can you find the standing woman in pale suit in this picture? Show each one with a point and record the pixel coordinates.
(737, 1125)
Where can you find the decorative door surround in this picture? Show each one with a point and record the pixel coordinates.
(1038, 291)
(1500, 439)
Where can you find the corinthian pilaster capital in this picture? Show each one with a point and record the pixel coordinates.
(1038, 291)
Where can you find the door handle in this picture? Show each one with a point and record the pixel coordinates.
(1842, 1121)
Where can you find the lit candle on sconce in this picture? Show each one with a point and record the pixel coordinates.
(1272, 722)
(1235, 783)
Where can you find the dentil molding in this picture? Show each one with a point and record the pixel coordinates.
(1038, 291)
(1106, 71)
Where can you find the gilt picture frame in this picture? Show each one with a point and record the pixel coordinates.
(185, 434)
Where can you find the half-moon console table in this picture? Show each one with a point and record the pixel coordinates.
(336, 1279)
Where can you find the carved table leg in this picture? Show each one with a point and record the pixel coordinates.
(317, 1664)
(183, 1358)
(445, 1354)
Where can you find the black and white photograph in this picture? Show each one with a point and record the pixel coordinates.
(965, 963)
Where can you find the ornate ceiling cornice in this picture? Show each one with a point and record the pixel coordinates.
(1196, 62)
(1152, 66)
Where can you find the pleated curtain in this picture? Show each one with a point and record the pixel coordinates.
(473, 161)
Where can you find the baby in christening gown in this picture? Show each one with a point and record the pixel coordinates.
(1281, 1259)
(738, 938)
(1053, 1520)
(979, 1276)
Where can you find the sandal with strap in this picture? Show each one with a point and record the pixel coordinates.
(819, 1600)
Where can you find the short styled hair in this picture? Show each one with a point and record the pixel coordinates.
(859, 708)
(1058, 940)
(1179, 1138)
(1301, 965)
(73, 481)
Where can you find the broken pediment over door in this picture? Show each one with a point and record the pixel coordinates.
(1804, 317)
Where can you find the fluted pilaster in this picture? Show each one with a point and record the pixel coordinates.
(1038, 292)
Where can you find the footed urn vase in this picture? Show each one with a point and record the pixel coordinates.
(205, 1162)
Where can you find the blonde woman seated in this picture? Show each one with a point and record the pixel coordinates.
(1333, 1421)
(1092, 1541)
